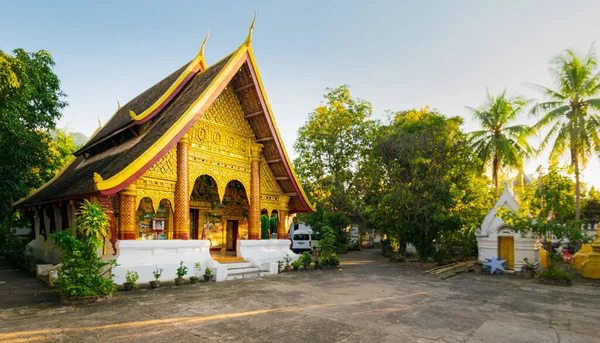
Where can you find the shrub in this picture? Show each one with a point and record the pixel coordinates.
(264, 227)
(296, 264)
(328, 241)
(553, 273)
(207, 272)
(83, 273)
(306, 259)
(13, 246)
(354, 247)
(331, 260)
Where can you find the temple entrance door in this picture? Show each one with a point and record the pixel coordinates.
(194, 214)
(506, 250)
(231, 234)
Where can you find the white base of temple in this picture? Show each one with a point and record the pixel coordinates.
(525, 247)
(145, 256)
(265, 253)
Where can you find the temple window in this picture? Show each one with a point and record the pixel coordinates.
(149, 225)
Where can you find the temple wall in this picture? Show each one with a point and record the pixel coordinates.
(219, 147)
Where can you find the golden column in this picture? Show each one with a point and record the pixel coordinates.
(282, 212)
(181, 217)
(254, 206)
(127, 213)
(591, 268)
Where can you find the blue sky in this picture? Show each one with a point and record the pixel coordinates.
(396, 54)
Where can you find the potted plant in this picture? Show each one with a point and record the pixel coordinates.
(306, 259)
(180, 273)
(198, 268)
(279, 266)
(288, 259)
(208, 275)
(131, 279)
(296, 264)
(157, 273)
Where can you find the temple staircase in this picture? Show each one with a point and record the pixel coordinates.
(242, 270)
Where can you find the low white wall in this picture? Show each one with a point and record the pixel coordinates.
(525, 247)
(265, 253)
(145, 256)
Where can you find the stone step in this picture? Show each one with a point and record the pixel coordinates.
(246, 275)
(237, 265)
(242, 270)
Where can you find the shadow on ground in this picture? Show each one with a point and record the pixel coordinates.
(367, 299)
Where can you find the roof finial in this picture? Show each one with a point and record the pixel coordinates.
(99, 123)
(204, 43)
(249, 39)
(118, 103)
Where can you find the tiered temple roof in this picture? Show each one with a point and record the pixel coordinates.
(147, 127)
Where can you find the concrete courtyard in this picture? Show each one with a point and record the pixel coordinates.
(366, 300)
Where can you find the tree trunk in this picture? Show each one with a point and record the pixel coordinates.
(577, 191)
(495, 168)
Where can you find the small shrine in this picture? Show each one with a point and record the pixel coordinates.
(496, 240)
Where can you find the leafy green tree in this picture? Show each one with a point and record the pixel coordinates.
(571, 112)
(497, 144)
(591, 208)
(83, 273)
(548, 210)
(331, 146)
(426, 181)
(30, 104)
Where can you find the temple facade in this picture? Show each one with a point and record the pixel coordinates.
(185, 170)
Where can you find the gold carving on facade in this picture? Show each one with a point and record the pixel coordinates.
(156, 190)
(268, 184)
(165, 167)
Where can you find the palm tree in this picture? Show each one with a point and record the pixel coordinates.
(571, 112)
(498, 145)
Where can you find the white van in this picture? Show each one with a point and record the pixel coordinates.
(303, 238)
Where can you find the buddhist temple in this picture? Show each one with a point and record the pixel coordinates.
(185, 170)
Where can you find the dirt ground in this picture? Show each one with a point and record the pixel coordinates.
(366, 300)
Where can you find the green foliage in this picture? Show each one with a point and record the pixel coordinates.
(296, 264)
(181, 270)
(498, 145)
(207, 272)
(157, 273)
(306, 258)
(591, 207)
(83, 273)
(426, 182)
(548, 211)
(13, 246)
(331, 260)
(554, 273)
(30, 105)
(197, 267)
(571, 112)
(264, 227)
(331, 145)
(273, 224)
(328, 241)
(132, 277)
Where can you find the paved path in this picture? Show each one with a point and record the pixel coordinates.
(366, 300)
